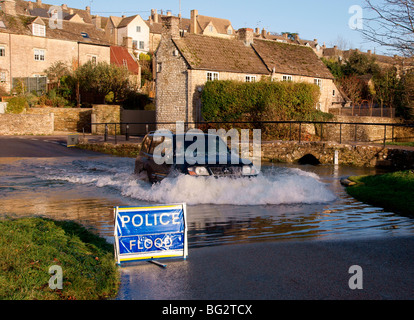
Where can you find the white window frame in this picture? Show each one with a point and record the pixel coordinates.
(287, 78)
(250, 78)
(141, 45)
(138, 29)
(39, 54)
(38, 30)
(159, 67)
(318, 82)
(213, 76)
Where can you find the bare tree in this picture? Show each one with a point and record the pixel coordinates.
(392, 25)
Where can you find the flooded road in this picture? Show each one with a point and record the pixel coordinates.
(285, 203)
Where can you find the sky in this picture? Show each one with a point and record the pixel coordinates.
(325, 20)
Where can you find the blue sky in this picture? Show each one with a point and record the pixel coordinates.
(325, 20)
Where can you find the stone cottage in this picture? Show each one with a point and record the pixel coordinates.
(184, 62)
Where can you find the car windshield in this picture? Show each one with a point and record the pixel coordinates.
(207, 145)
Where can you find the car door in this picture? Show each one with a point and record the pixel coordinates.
(142, 161)
(159, 167)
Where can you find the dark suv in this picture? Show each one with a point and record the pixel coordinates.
(204, 155)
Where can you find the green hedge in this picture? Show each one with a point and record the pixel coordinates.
(266, 101)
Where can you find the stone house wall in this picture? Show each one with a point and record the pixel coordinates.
(19, 61)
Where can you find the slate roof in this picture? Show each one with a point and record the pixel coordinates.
(217, 54)
(291, 59)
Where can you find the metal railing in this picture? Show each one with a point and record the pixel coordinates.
(292, 130)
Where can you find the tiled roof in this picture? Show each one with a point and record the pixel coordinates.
(291, 59)
(221, 25)
(71, 31)
(121, 57)
(217, 54)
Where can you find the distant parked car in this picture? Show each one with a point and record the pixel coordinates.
(181, 156)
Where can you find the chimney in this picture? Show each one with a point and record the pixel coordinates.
(246, 35)
(97, 21)
(264, 33)
(154, 15)
(315, 40)
(257, 31)
(296, 37)
(194, 23)
(9, 7)
(285, 35)
(88, 9)
(71, 11)
(171, 26)
(169, 13)
(30, 5)
(369, 52)
(64, 7)
(39, 2)
(127, 42)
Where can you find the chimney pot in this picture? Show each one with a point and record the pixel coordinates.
(64, 7)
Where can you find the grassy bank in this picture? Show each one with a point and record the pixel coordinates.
(119, 150)
(391, 191)
(30, 246)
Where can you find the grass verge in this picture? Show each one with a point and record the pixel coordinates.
(30, 246)
(391, 191)
(404, 144)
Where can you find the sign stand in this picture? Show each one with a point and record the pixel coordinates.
(150, 232)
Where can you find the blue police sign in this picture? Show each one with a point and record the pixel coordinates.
(148, 233)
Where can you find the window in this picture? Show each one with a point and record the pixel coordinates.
(212, 76)
(287, 78)
(2, 77)
(159, 67)
(318, 82)
(138, 28)
(39, 55)
(134, 44)
(38, 30)
(2, 51)
(94, 59)
(141, 45)
(250, 78)
(333, 93)
(229, 31)
(210, 28)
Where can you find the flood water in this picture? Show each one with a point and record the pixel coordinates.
(285, 202)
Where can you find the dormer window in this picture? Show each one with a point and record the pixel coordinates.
(229, 31)
(38, 30)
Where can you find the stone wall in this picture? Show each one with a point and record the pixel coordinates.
(67, 119)
(352, 155)
(102, 113)
(26, 124)
(365, 133)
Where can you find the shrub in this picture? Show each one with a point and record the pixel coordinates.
(17, 104)
(259, 101)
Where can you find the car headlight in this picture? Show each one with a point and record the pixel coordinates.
(198, 171)
(249, 171)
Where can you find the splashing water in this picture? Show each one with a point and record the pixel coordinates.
(274, 186)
